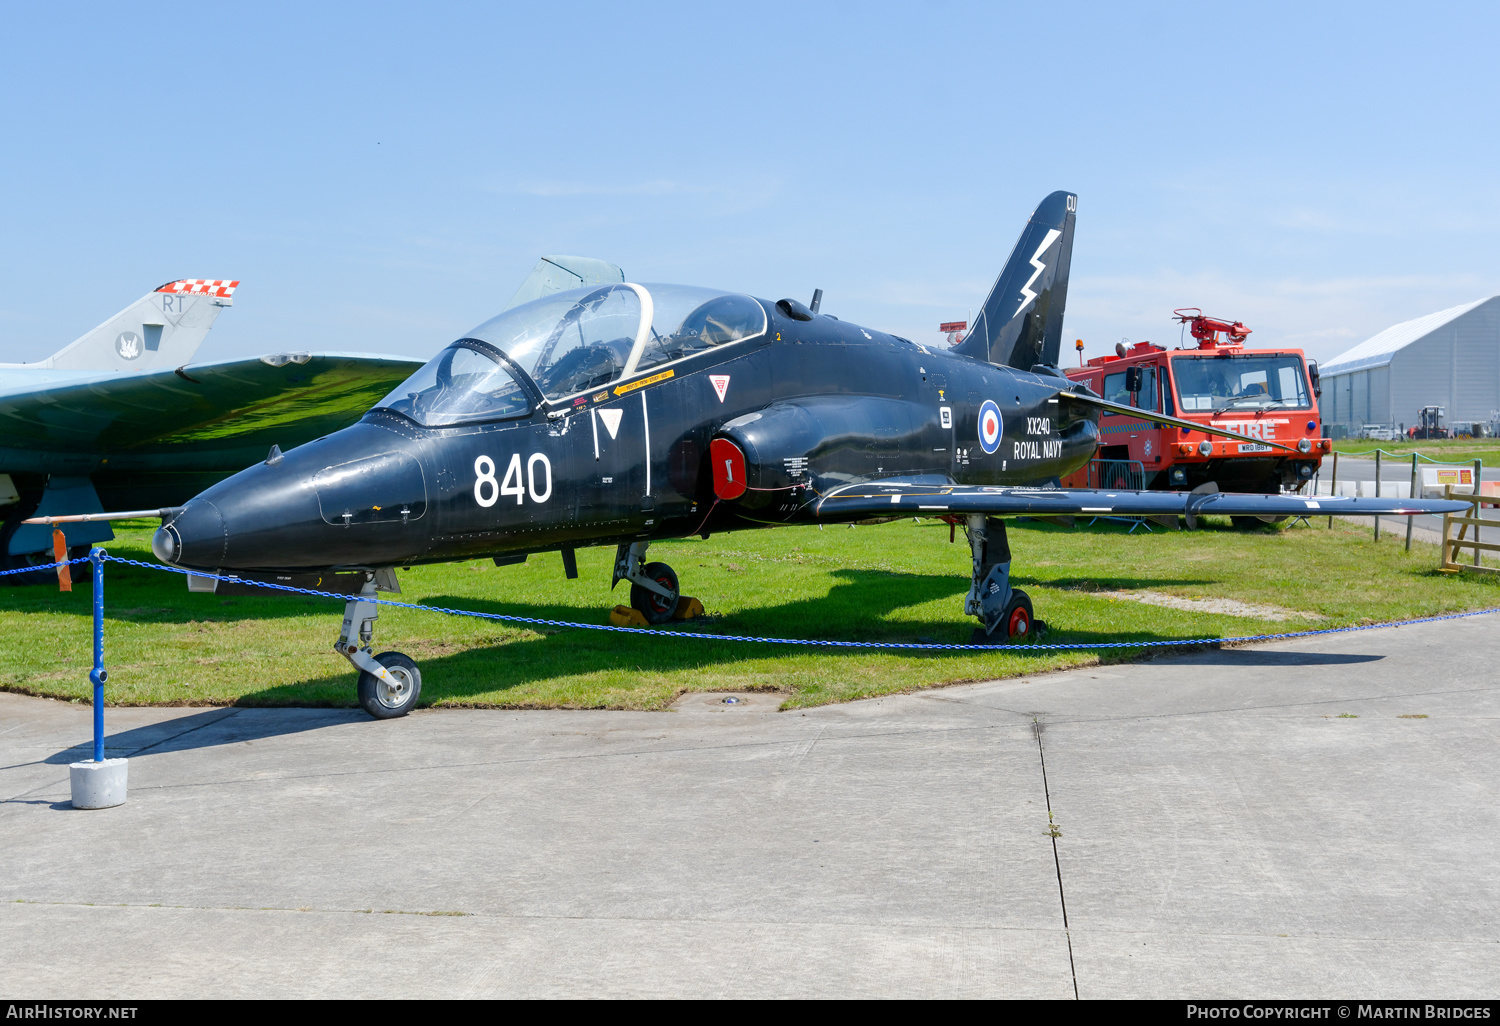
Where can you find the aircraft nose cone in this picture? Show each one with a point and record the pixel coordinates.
(195, 537)
(164, 545)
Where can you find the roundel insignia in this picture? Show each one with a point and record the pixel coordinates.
(989, 426)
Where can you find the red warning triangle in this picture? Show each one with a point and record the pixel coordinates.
(721, 384)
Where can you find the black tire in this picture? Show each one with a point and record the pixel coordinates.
(35, 576)
(1018, 620)
(376, 697)
(656, 608)
(1255, 523)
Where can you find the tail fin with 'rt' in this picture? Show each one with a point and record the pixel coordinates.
(161, 330)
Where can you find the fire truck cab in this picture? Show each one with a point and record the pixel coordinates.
(1264, 395)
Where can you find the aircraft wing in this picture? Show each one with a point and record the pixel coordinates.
(894, 498)
(283, 400)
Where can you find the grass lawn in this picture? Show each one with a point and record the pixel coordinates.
(899, 581)
(1449, 450)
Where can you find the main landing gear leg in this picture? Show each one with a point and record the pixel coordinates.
(1005, 612)
(653, 586)
(389, 683)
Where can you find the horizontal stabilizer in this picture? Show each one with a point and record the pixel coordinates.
(886, 498)
(1120, 409)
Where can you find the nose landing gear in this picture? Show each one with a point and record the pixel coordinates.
(389, 683)
(654, 591)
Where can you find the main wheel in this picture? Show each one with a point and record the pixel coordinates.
(48, 576)
(656, 608)
(386, 701)
(1254, 523)
(1017, 621)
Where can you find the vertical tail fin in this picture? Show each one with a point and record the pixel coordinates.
(162, 329)
(1020, 324)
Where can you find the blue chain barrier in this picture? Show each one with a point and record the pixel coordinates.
(905, 645)
(47, 566)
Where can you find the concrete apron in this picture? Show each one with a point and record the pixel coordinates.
(1269, 821)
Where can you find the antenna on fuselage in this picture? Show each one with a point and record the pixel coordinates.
(817, 300)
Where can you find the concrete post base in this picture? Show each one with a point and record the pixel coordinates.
(98, 785)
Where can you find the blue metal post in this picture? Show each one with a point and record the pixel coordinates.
(98, 674)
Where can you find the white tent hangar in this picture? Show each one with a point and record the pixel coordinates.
(1450, 359)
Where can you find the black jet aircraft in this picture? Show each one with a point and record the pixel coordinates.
(623, 414)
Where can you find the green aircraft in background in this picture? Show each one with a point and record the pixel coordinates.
(121, 419)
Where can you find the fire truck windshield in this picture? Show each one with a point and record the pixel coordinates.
(1242, 382)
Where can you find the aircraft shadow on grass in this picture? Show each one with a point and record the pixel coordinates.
(1107, 584)
(499, 668)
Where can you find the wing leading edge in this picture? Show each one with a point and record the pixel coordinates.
(888, 498)
(249, 401)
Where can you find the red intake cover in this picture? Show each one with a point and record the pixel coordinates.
(729, 468)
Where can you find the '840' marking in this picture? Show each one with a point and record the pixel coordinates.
(487, 490)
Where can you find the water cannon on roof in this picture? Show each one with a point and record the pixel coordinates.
(1208, 329)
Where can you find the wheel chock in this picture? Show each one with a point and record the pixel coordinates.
(627, 616)
(688, 608)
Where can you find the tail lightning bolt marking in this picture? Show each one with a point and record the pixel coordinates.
(1026, 294)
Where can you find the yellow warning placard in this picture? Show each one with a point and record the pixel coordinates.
(1454, 477)
(643, 382)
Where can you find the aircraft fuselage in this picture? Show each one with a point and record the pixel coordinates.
(812, 406)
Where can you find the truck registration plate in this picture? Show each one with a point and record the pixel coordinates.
(1254, 447)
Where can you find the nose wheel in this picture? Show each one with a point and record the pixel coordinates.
(396, 693)
(653, 586)
(389, 683)
(657, 606)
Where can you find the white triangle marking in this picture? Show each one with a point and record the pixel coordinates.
(611, 420)
(721, 384)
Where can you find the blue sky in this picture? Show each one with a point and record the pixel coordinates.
(380, 177)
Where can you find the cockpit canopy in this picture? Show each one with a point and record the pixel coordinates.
(571, 342)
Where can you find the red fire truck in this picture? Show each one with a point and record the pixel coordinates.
(1263, 394)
